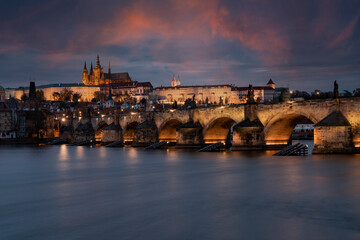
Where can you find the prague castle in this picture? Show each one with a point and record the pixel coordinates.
(122, 86)
(98, 77)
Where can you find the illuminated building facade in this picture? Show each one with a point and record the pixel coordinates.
(97, 75)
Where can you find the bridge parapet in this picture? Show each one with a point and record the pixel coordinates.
(208, 115)
(161, 118)
(314, 110)
(126, 119)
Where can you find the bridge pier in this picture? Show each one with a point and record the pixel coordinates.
(333, 134)
(111, 133)
(189, 135)
(248, 135)
(67, 133)
(84, 133)
(145, 134)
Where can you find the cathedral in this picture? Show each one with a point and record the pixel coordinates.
(174, 82)
(98, 77)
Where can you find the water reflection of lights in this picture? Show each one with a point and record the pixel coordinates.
(80, 152)
(132, 156)
(102, 152)
(172, 155)
(223, 156)
(64, 153)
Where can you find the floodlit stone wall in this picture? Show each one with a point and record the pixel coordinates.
(332, 139)
(109, 136)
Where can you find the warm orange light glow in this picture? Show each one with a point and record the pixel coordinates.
(276, 142)
(213, 141)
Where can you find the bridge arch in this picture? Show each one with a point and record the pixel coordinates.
(129, 131)
(279, 129)
(100, 126)
(356, 138)
(167, 131)
(218, 130)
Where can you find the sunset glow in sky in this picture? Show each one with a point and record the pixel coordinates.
(299, 44)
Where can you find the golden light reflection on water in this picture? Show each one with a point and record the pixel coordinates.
(80, 152)
(102, 152)
(172, 155)
(63, 153)
(132, 155)
(223, 156)
(64, 157)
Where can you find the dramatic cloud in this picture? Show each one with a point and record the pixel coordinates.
(300, 44)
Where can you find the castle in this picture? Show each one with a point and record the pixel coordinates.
(98, 77)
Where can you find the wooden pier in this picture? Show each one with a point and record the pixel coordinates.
(294, 150)
(157, 145)
(212, 147)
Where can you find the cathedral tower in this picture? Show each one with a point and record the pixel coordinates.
(98, 73)
(173, 82)
(178, 83)
(85, 76)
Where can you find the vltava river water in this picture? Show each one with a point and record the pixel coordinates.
(67, 192)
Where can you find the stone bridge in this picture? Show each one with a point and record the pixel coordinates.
(245, 126)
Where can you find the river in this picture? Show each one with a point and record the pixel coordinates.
(68, 192)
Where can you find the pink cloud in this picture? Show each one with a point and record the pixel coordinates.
(345, 34)
(195, 21)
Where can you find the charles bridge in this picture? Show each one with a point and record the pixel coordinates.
(247, 126)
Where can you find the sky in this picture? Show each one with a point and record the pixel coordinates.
(302, 45)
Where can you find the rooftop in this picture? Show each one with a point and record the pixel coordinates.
(117, 76)
(270, 82)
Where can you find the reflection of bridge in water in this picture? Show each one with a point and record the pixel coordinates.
(254, 126)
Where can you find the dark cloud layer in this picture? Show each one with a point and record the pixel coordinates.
(300, 44)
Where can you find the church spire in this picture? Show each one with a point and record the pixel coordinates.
(173, 82)
(97, 62)
(91, 69)
(178, 83)
(109, 68)
(85, 75)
